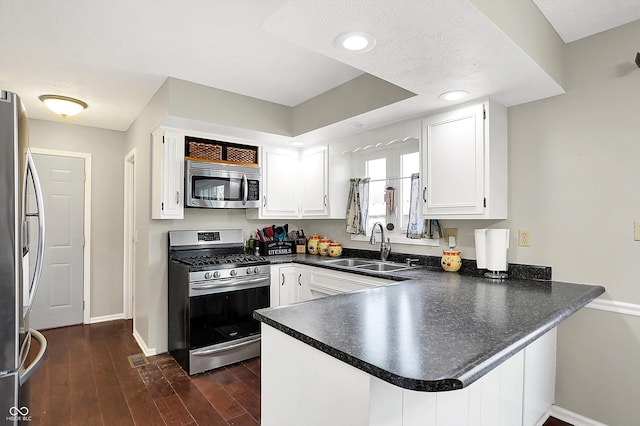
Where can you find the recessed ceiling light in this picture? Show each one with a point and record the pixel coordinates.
(453, 95)
(63, 105)
(356, 41)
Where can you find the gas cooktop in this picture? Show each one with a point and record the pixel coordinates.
(239, 259)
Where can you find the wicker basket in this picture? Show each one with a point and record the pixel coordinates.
(205, 151)
(240, 155)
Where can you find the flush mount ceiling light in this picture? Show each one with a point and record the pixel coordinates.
(356, 41)
(453, 95)
(63, 105)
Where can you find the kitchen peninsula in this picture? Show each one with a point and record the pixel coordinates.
(440, 348)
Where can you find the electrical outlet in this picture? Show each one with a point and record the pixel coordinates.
(450, 232)
(524, 238)
(636, 230)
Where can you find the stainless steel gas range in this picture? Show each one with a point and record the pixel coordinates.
(213, 290)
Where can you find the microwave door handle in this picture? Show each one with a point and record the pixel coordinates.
(245, 191)
(35, 281)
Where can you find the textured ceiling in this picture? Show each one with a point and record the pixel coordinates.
(115, 54)
(576, 19)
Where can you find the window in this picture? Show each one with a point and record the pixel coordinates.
(390, 171)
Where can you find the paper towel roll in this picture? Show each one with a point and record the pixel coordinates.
(497, 244)
(480, 236)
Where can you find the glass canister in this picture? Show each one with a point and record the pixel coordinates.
(323, 246)
(451, 260)
(312, 244)
(335, 249)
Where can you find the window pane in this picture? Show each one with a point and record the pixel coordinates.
(376, 170)
(409, 164)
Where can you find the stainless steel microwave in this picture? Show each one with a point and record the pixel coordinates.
(221, 186)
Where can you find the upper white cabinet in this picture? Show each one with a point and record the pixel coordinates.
(167, 174)
(279, 183)
(464, 163)
(295, 184)
(314, 182)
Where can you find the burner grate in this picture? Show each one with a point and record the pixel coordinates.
(238, 259)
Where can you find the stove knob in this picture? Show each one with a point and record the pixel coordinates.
(207, 275)
(256, 270)
(233, 273)
(249, 271)
(216, 274)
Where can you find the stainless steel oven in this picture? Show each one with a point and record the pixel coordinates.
(213, 290)
(219, 185)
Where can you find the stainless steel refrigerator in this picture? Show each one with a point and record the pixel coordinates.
(21, 254)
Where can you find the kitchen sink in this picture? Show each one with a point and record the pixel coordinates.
(383, 267)
(350, 262)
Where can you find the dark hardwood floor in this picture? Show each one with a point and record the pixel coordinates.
(87, 380)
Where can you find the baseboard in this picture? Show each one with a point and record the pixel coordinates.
(143, 345)
(105, 318)
(573, 418)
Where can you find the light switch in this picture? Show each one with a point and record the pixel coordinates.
(636, 230)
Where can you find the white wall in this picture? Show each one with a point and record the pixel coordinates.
(106, 148)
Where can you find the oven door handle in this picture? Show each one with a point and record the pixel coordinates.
(226, 348)
(235, 283)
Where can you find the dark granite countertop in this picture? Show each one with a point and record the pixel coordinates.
(433, 331)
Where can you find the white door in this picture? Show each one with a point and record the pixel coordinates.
(59, 301)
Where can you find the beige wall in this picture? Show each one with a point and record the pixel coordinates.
(106, 149)
(573, 182)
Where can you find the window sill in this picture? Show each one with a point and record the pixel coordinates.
(396, 239)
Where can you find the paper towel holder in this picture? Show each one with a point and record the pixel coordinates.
(496, 263)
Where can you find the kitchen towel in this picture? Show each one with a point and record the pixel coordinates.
(357, 206)
(415, 229)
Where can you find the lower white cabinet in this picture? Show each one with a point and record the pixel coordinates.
(517, 392)
(291, 283)
(325, 282)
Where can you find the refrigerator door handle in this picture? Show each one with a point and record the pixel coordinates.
(26, 372)
(31, 169)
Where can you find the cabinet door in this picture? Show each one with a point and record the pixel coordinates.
(167, 178)
(280, 184)
(304, 291)
(452, 163)
(288, 283)
(314, 182)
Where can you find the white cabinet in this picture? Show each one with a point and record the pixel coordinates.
(167, 174)
(295, 184)
(464, 163)
(314, 182)
(288, 284)
(291, 283)
(280, 184)
(325, 282)
(503, 396)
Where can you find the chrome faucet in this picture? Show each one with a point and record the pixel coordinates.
(385, 244)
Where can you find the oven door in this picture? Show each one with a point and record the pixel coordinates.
(226, 314)
(211, 185)
(222, 328)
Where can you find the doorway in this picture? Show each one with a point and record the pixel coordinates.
(129, 265)
(63, 295)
